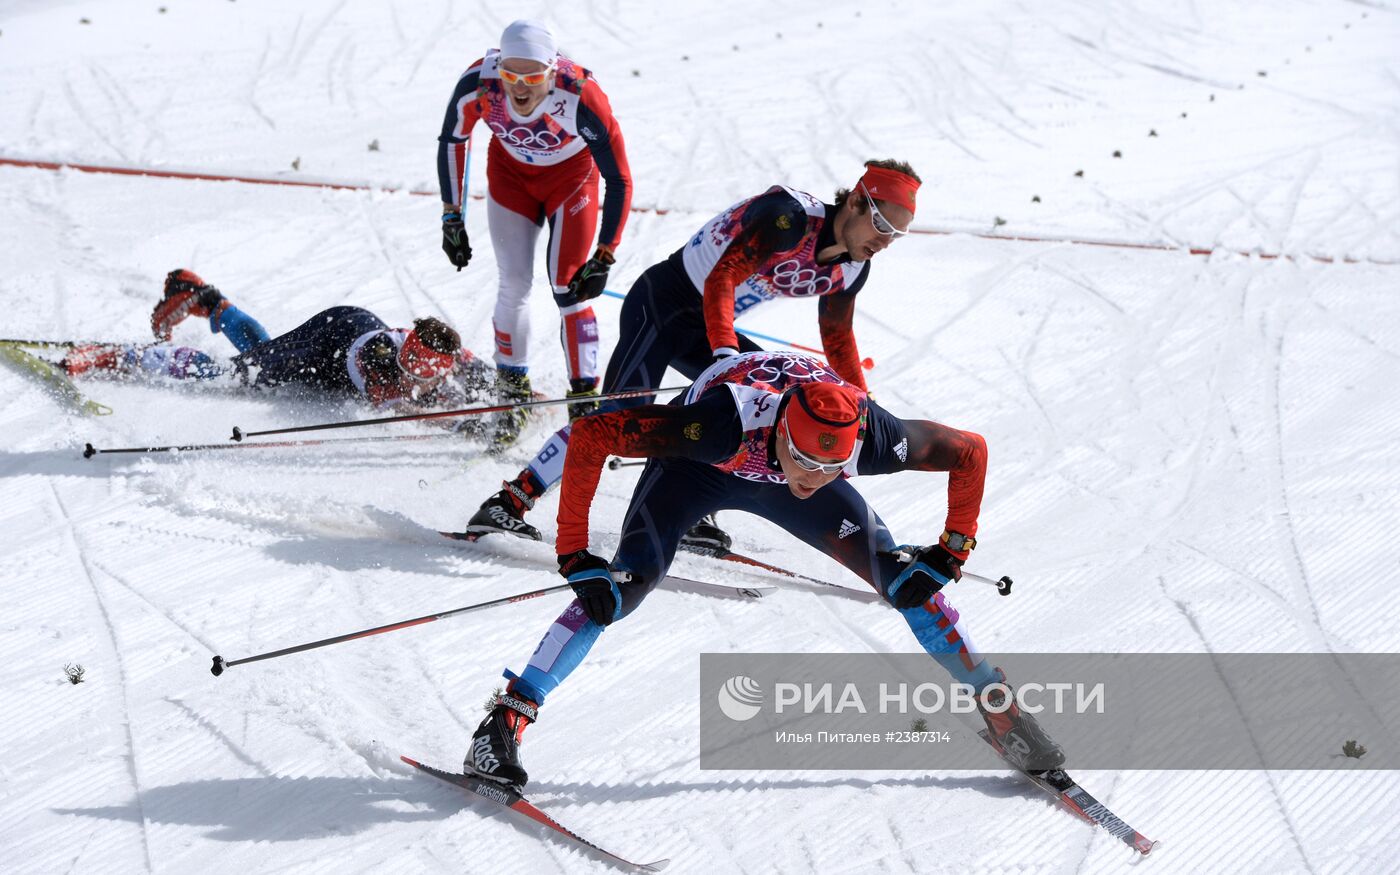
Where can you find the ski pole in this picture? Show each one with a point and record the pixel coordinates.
(220, 663)
(91, 451)
(1003, 585)
(867, 362)
(239, 434)
(614, 463)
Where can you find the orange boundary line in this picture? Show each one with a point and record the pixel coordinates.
(346, 186)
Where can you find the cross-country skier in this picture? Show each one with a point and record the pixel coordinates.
(774, 434)
(553, 134)
(782, 243)
(339, 352)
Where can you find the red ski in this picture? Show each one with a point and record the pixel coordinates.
(507, 797)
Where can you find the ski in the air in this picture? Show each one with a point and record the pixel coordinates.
(1077, 801)
(859, 595)
(50, 375)
(507, 797)
(670, 581)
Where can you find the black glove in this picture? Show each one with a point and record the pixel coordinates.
(928, 571)
(590, 280)
(454, 240)
(593, 583)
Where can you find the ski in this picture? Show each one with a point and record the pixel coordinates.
(53, 378)
(509, 798)
(670, 581)
(859, 595)
(1077, 801)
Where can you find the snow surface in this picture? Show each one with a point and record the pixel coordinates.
(1189, 453)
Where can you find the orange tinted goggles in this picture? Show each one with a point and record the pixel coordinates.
(512, 78)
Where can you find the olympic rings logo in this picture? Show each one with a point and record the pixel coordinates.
(799, 281)
(780, 369)
(526, 138)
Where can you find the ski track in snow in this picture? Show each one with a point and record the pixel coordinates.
(1188, 454)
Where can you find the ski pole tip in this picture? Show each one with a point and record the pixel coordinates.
(237, 433)
(218, 667)
(89, 451)
(1004, 586)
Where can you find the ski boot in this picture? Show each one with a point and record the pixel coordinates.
(1015, 734)
(504, 513)
(495, 747)
(707, 537)
(512, 387)
(586, 393)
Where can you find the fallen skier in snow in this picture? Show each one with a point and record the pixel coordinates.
(341, 352)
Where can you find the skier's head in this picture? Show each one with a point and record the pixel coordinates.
(429, 352)
(528, 60)
(878, 210)
(817, 434)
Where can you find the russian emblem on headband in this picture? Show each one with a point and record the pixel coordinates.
(784, 222)
(826, 440)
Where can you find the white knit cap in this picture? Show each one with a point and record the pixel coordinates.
(530, 40)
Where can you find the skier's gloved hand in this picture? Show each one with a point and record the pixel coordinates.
(589, 280)
(593, 583)
(723, 353)
(185, 295)
(928, 570)
(454, 240)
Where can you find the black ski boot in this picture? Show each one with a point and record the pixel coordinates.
(1015, 734)
(511, 388)
(495, 747)
(504, 513)
(707, 537)
(584, 396)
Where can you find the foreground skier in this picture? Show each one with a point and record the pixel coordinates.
(774, 434)
(339, 352)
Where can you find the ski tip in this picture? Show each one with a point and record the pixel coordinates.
(1145, 845)
(654, 867)
(411, 761)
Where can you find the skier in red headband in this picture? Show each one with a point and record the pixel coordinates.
(680, 312)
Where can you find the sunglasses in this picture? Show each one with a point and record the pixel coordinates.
(512, 78)
(807, 463)
(877, 218)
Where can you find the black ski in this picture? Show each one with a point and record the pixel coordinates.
(1077, 801)
(509, 798)
(670, 581)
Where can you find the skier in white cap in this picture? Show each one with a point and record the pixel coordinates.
(553, 135)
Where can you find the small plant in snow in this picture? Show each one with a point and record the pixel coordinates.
(74, 671)
(920, 725)
(1354, 750)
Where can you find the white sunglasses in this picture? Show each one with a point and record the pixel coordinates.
(883, 227)
(807, 463)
